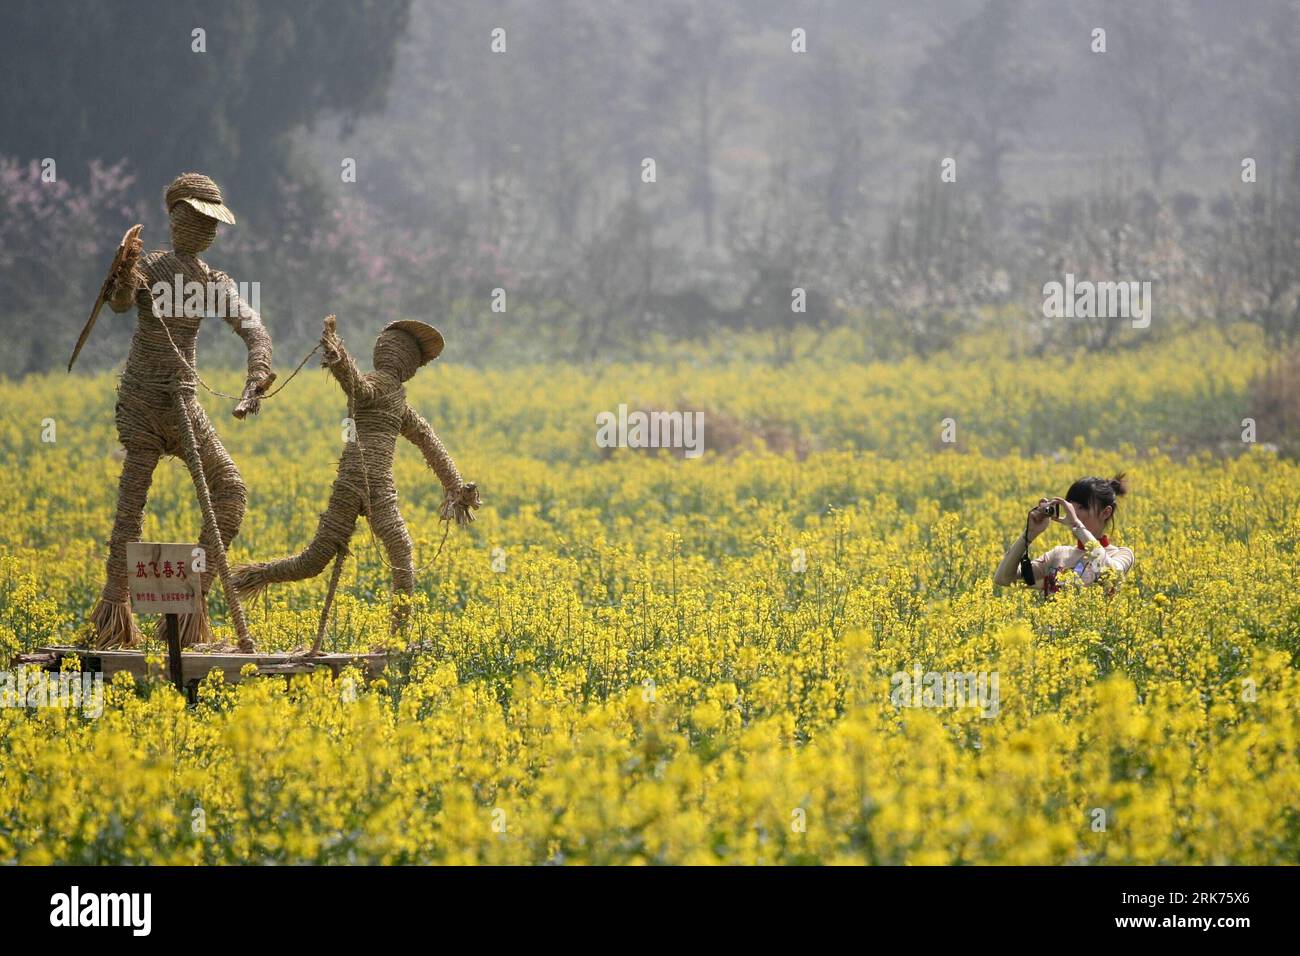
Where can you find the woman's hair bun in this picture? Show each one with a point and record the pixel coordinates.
(1119, 485)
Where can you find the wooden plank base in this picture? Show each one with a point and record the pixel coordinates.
(197, 665)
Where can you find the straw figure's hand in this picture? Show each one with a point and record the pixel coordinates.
(329, 341)
(250, 403)
(357, 386)
(126, 276)
(459, 505)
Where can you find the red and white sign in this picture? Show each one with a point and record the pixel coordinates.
(162, 578)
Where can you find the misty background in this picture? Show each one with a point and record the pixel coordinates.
(522, 170)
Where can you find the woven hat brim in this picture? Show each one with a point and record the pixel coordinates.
(430, 339)
(216, 210)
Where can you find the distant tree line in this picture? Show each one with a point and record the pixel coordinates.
(503, 196)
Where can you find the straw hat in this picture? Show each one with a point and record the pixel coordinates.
(201, 193)
(430, 339)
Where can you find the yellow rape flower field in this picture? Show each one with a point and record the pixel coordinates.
(633, 657)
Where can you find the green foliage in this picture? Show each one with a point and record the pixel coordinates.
(120, 79)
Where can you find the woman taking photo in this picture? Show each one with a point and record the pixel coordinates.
(1086, 510)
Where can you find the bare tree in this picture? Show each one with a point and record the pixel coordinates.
(1257, 244)
(840, 115)
(933, 272)
(781, 243)
(691, 65)
(1157, 67)
(977, 88)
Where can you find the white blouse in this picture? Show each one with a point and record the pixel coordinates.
(1087, 563)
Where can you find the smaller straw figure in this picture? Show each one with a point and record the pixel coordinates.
(378, 412)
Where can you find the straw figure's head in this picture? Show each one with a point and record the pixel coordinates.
(195, 206)
(404, 346)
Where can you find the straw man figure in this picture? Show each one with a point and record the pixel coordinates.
(157, 409)
(378, 412)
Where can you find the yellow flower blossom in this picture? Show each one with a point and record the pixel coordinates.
(648, 676)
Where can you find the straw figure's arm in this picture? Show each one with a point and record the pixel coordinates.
(241, 317)
(128, 278)
(460, 498)
(339, 362)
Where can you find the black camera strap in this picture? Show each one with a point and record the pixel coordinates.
(1027, 566)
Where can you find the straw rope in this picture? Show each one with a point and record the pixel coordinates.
(219, 394)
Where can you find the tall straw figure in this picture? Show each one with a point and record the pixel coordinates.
(157, 409)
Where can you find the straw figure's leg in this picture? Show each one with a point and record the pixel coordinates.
(111, 617)
(387, 523)
(225, 485)
(211, 538)
(333, 532)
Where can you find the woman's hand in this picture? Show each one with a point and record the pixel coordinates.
(1066, 513)
(1038, 518)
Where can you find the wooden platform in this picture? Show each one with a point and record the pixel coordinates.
(197, 665)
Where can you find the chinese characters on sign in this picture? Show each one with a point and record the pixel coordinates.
(162, 578)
